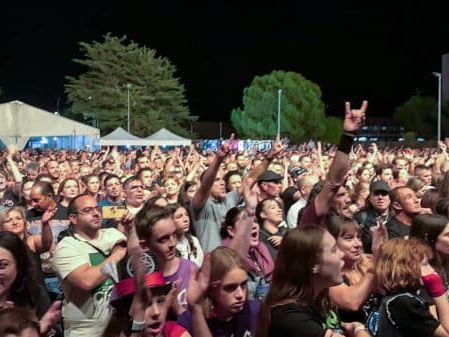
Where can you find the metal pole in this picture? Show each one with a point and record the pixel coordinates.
(439, 107)
(279, 111)
(128, 86)
(438, 76)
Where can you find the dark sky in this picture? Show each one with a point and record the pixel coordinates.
(382, 51)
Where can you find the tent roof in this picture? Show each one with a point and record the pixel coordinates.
(23, 120)
(120, 137)
(166, 137)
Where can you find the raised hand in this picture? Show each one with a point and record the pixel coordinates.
(199, 283)
(276, 149)
(50, 318)
(426, 268)
(379, 234)
(275, 240)
(354, 118)
(225, 148)
(49, 214)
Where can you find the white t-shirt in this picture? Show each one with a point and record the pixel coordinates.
(85, 313)
(184, 249)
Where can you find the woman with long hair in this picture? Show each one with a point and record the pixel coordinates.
(308, 263)
(68, 189)
(188, 245)
(20, 284)
(218, 298)
(242, 234)
(270, 218)
(433, 229)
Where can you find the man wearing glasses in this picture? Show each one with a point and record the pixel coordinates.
(82, 261)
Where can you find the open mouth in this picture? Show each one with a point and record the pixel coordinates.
(155, 328)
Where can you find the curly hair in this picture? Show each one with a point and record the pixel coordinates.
(398, 265)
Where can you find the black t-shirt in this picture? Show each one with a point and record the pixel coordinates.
(9, 199)
(370, 306)
(297, 320)
(405, 315)
(397, 229)
(264, 235)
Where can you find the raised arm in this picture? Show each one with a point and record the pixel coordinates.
(275, 150)
(352, 297)
(42, 243)
(354, 119)
(201, 195)
(196, 294)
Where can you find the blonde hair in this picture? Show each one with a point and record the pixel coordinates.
(398, 265)
(223, 260)
(4, 214)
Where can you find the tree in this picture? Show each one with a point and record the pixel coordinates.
(302, 110)
(115, 66)
(419, 114)
(334, 130)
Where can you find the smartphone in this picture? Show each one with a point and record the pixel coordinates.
(113, 212)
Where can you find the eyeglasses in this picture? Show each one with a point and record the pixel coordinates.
(89, 210)
(382, 193)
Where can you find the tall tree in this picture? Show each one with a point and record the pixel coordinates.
(419, 114)
(302, 110)
(116, 68)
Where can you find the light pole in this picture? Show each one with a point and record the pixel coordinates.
(128, 86)
(438, 76)
(279, 111)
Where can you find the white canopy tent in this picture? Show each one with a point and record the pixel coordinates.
(165, 137)
(119, 137)
(20, 121)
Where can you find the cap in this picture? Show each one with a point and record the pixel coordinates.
(269, 176)
(296, 171)
(379, 186)
(127, 286)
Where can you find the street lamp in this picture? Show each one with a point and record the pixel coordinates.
(279, 111)
(128, 86)
(438, 76)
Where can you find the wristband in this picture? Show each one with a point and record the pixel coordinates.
(346, 142)
(434, 285)
(136, 326)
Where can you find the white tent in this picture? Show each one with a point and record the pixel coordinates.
(165, 137)
(20, 121)
(119, 137)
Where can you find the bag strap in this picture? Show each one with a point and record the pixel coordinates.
(93, 246)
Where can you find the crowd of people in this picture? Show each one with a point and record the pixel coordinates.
(324, 240)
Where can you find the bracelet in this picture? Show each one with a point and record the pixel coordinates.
(137, 326)
(359, 328)
(346, 142)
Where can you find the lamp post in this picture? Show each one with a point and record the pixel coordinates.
(128, 86)
(279, 111)
(438, 76)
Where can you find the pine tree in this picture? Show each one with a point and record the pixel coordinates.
(117, 65)
(302, 110)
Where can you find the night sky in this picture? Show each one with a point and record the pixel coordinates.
(378, 50)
